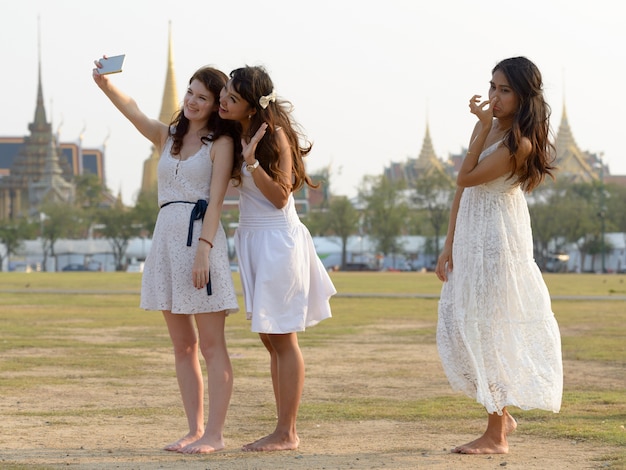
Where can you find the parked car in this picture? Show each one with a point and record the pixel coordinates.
(75, 267)
(358, 267)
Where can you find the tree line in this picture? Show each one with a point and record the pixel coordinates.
(562, 213)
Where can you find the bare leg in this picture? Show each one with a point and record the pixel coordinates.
(220, 382)
(189, 375)
(493, 441)
(288, 387)
(273, 367)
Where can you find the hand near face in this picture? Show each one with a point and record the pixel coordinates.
(249, 148)
(482, 110)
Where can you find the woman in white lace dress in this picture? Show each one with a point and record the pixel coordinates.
(187, 273)
(285, 285)
(497, 336)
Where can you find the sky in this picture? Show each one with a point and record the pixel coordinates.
(366, 78)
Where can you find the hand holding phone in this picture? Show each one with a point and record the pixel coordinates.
(111, 64)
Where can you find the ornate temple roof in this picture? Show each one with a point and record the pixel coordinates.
(38, 166)
(426, 163)
(427, 160)
(51, 186)
(35, 174)
(571, 161)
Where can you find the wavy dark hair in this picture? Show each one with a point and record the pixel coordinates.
(531, 120)
(253, 82)
(214, 80)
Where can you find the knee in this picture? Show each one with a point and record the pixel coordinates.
(185, 349)
(212, 348)
(267, 342)
(282, 344)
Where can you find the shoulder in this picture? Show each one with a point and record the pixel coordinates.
(524, 149)
(223, 143)
(223, 140)
(525, 145)
(478, 128)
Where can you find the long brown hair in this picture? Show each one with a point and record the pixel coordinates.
(531, 120)
(252, 83)
(214, 80)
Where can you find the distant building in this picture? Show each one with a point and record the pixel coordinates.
(425, 164)
(37, 167)
(40, 166)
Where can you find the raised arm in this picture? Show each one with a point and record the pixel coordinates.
(277, 194)
(152, 129)
(498, 163)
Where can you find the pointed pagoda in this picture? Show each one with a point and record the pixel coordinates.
(426, 164)
(36, 169)
(572, 163)
(427, 161)
(169, 106)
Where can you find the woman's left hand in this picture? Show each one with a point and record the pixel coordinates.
(200, 270)
(249, 148)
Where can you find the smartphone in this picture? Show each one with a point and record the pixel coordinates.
(111, 64)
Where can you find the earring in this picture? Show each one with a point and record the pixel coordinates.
(249, 116)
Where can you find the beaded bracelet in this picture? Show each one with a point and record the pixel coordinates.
(206, 241)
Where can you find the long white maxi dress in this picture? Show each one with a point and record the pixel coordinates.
(285, 285)
(497, 336)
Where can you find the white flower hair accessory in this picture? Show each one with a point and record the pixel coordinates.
(265, 100)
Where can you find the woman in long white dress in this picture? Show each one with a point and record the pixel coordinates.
(497, 336)
(285, 285)
(187, 274)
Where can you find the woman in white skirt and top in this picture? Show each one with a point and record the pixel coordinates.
(497, 336)
(187, 274)
(286, 287)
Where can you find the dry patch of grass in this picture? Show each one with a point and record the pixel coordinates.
(88, 381)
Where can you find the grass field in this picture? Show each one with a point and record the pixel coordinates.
(89, 326)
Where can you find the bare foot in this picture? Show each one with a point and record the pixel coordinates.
(274, 441)
(182, 442)
(483, 445)
(511, 424)
(204, 445)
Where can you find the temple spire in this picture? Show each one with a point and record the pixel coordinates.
(570, 160)
(40, 110)
(427, 160)
(170, 103)
(169, 106)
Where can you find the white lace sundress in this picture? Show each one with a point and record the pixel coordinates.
(286, 287)
(167, 277)
(497, 336)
